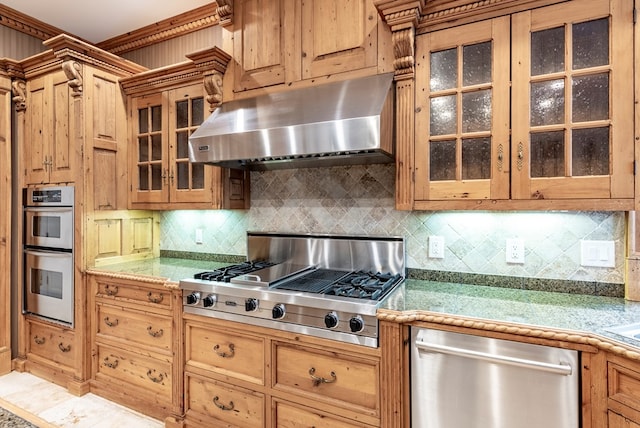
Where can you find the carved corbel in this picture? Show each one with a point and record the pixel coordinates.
(213, 86)
(225, 12)
(73, 71)
(402, 18)
(19, 91)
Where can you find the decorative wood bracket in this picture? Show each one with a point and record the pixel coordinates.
(402, 18)
(19, 91)
(73, 70)
(225, 12)
(212, 63)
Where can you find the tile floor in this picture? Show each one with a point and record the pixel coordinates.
(50, 406)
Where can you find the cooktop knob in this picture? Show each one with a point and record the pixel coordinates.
(250, 305)
(356, 324)
(193, 298)
(209, 301)
(278, 311)
(331, 320)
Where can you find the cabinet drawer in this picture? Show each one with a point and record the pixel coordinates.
(51, 343)
(289, 416)
(136, 326)
(141, 371)
(225, 352)
(336, 379)
(624, 385)
(121, 291)
(232, 405)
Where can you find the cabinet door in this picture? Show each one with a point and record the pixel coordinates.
(187, 182)
(338, 36)
(617, 421)
(462, 119)
(572, 101)
(264, 42)
(49, 149)
(149, 172)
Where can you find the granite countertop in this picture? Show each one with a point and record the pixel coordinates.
(585, 314)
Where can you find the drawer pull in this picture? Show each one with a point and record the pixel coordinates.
(110, 364)
(230, 354)
(64, 348)
(318, 380)
(154, 379)
(155, 299)
(39, 340)
(221, 406)
(110, 323)
(152, 333)
(111, 290)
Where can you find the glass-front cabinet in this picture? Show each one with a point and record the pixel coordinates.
(537, 105)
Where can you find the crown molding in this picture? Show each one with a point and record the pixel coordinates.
(188, 22)
(25, 24)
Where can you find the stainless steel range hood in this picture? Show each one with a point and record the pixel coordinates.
(340, 123)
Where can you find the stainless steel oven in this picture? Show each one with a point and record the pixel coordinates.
(48, 252)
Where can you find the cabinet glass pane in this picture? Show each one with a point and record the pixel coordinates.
(547, 51)
(156, 147)
(590, 155)
(143, 120)
(547, 102)
(442, 160)
(443, 115)
(197, 176)
(143, 177)
(591, 43)
(143, 149)
(182, 114)
(156, 118)
(476, 111)
(183, 175)
(547, 154)
(197, 111)
(476, 64)
(182, 144)
(476, 158)
(591, 97)
(444, 69)
(156, 177)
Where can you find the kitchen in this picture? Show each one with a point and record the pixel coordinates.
(363, 200)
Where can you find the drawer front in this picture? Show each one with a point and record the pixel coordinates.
(140, 327)
(231, 405)
(339, 380)
(289, 416)
(159, 297)
(624, 385)
(51, 343)
(226, 352)
(141, 371)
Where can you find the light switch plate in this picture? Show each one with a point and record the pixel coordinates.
(597, 253)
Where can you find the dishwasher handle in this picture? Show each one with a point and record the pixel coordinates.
(561, 369)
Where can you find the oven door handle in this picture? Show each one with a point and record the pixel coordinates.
(45, 253)
(49, 209)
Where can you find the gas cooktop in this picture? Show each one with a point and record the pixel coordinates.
(322, 285)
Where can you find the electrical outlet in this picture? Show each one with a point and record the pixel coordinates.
(515, 251)
(199, 238)
(436, 247)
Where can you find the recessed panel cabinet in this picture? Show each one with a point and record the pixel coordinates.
(531, 110)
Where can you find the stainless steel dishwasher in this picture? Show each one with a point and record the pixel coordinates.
(465, 381)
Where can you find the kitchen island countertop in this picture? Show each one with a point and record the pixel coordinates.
(584, 314)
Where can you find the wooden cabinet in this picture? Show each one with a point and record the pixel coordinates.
(248, 376)
(284, 41)
(50, 344)
(527, 111)
(623, 392)
(165, 107)
(134, 345)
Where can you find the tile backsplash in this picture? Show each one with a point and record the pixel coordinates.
(359, 200)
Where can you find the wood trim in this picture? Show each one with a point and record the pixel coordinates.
(188, 22)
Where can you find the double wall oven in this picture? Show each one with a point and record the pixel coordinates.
(48, 252)
(326, 286)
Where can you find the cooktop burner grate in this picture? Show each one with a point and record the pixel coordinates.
(226, 273)
(364, 285)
